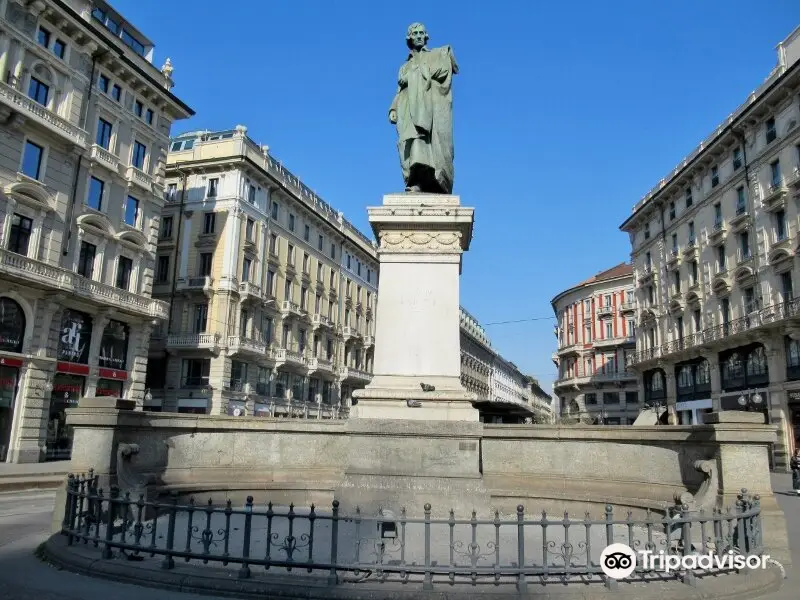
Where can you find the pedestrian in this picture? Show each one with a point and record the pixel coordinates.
(794, 464)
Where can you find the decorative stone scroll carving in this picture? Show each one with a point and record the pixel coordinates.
(419, 241)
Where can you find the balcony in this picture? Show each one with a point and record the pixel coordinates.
(317, 364)
(319, 320)
(775, 315)
(793, 180)
(605, 311)
(348, 332)
(37, 113)
(740, 221)
(49, 276)
(645, 273)
(581, 377)
(243, 345)
(289, 357)
(717, 234)
(743, 257)
(250, 291)
(289, 309)
(202, 283)
(775, 196)
(136, 177)
(103, 157)
(674, 259)
(237, 386)
(627, 307)
(194, 341)
(369, 340)
(690, 251)
(619, 340)
(355, 375)
(569, 349)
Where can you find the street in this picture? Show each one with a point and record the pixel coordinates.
(25, 521)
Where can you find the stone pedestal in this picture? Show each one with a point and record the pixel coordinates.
(421, 240)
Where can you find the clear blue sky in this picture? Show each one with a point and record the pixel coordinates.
(565, 114)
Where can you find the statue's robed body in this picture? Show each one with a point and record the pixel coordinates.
(423, 107)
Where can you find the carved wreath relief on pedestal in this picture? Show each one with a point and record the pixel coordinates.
(418, 241)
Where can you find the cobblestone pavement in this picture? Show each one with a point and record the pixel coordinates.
(25, 519)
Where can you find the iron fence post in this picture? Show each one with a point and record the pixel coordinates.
(69, 517)
(686, 542)
(169, 562)
(521, 583)
(610, 582)
(427, 583)
(332, 577)
(244, 572)
(113, 493)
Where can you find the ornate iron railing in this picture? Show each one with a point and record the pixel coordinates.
(504, 549)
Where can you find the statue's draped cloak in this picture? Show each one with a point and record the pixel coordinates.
(424, 106)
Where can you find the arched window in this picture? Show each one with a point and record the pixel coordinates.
(734, 366)
(757, 362)
(12, 325)
(657, 381)
(702, 374)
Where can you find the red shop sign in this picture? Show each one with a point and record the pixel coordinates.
(74, 368)
(113, 374)
(10, 362)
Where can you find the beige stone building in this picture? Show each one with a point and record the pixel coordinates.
(595, 333)
(273, 292)
(714, 248)
(85, 119)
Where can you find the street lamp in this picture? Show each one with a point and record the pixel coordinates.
(147, 395)
(656, 405)
(750, 402)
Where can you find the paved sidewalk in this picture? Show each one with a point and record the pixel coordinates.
(48, 475)
(789, 501)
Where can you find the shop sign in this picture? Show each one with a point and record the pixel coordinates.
(75, 337)
(114, 345)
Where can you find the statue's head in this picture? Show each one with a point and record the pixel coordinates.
(416, 36)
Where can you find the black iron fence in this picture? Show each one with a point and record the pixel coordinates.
(507, 549)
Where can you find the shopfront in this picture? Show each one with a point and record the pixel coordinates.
(69, 383)
(193, 406)
(12, 333)
(113, 360)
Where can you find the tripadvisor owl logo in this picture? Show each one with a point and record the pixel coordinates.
(618, 561)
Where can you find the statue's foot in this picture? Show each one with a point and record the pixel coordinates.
(414, 188)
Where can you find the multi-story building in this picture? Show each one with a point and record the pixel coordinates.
(85, 119)
(273, 292)
(595, 333)
(504, 394)
(714, 247)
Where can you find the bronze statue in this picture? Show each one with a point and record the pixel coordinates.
(423, 112)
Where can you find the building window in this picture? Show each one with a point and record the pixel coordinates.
(138, 107)
(648, 261)
(741, 201)
(20, 234)
(139, 153)
(38, 91)
(205, 264)
(748, 294)
(737, 158)
(319, 272)
(148, 116)
(251, 194)
(103, 83)
(162, 271)
(714, 176)
(274, 211)
(691, 233)
(780, 225)
(166, 228)
(124, 270)
(116, 92)
(291, 222)
(672, 210)
(271, 282)
(304, 298)
(32, 160)
(305, 262)
(717, 215)
(647, 231)
(273, 244)
(248, 230)
(688, 196)
(86, 259)
(786, 286)
(333, 251)
(103, 133)
(246, 264)
(674, 243)
(244, 323)
(95, 197)
(775, 174)
(677, 279)
(195, 372)
(320, 242)
(200, 318)
(721, 258)
(770, 130)
(332, 278)
(609, 331)
(132, 212)
(287, 290)
(307, 233)
(590, 398)
(744, 245)
(291, 254)
(43, 37)
(209, 222)
(369, 275)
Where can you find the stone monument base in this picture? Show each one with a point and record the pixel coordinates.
(403, 397)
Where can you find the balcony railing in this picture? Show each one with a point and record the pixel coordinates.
(320, 320)
(104, 157)
(616, 340)
(250, 289)
(199, 341)
(318, 363)
(606, 309)
(760, 318)
(582, 377)
(288, 355)
(287, 307)
(629, 306)
(62, 279)
(140, 178)
(238, 343)
(353, 373)
(369, 340)
(43, 116)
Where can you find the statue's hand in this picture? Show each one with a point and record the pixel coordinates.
(393, 116)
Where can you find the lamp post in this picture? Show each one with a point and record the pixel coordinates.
(751, 402)
(148, 397)
(656, 405)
